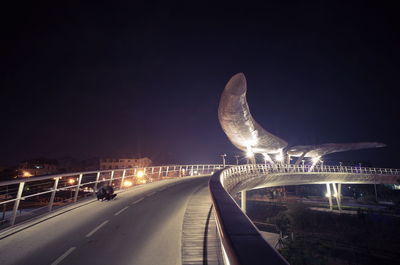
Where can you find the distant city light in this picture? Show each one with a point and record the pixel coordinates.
(140, 174)
(71, 181)
(128, 183)
(26, 174)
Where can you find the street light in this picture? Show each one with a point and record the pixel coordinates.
(223, 159)
(237, 159)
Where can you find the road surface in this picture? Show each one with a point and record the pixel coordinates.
(141, 226)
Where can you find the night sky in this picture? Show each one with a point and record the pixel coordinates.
(144, 78)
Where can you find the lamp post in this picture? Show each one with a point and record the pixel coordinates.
(223, 159)
(237, 159)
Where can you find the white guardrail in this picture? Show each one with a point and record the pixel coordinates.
(24, 198)
(230, 177)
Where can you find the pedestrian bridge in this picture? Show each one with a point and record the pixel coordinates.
(162, 215)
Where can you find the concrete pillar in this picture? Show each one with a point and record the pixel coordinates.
(340, 195)
(337, 196)
(329, 195)
(243, 200)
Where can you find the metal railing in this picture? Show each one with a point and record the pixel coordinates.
(232, 176)
(24, 198)
(241, 242)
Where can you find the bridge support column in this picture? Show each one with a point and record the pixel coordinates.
(338, 195)
(243, 200)
(329, 195)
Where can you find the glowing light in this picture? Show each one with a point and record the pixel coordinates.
(315, 160)
(71, 181)
(279, 157)
(26, 174)
(128, 183)
(140, 174)
(249, 154)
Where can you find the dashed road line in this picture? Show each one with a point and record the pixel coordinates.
(141, 199)
(97, 228)
(151, 194)
(120, 211)
(63, 256)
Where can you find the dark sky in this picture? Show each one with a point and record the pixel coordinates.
(144, 78)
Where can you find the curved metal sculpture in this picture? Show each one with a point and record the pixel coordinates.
(238, 124)
(247, 135)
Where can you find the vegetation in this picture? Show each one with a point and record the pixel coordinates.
(327, 238)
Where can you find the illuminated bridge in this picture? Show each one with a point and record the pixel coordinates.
(162, 215)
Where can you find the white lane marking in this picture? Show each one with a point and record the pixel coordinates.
(141, 199)
(97, 228)
(63, 256)
(151, 193)
(120, 211)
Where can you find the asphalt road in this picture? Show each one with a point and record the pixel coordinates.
(141, 226)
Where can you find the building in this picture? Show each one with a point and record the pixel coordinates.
(36, 167)
(115, 163)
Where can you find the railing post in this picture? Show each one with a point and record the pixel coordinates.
(159, 172)
(16, 203)
(111, 177)
(97, 181)
(122, 179)
(53, 194)
(180, 171)
(77, 187)
(166, 172)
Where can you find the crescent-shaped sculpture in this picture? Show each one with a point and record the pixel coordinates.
(247, 135)
(238, 124)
